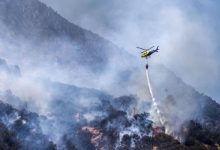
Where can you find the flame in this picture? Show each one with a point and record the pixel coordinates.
(96, 135)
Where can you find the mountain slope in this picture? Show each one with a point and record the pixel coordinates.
(103, 123)
(83, 118)
(50, 34)
(34, 35)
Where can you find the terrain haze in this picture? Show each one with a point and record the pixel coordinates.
(71, 78)
(187, 33)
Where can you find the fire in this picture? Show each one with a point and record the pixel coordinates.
(157, 130)
(96, 135)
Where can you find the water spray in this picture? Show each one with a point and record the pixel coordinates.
(155, 105)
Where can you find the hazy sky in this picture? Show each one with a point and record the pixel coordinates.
(187, 32)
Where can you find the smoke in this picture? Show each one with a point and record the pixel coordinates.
(127, 24)
(49, 74)
(186, 32)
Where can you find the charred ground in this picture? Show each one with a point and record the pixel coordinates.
(85, 118)
(113, 128)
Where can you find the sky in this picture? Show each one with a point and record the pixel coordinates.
(187, 32)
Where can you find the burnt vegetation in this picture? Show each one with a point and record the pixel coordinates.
(105, 122)
(20, 129)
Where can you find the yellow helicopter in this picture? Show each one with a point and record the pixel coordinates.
(148, 52)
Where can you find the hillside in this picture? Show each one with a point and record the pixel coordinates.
(56, 87)
(30, 24)
(85, 119)
(104, 123)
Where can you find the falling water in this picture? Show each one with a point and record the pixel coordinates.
(155, 105)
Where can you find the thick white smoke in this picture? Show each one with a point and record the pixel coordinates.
(138, 23)
(185, 30)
